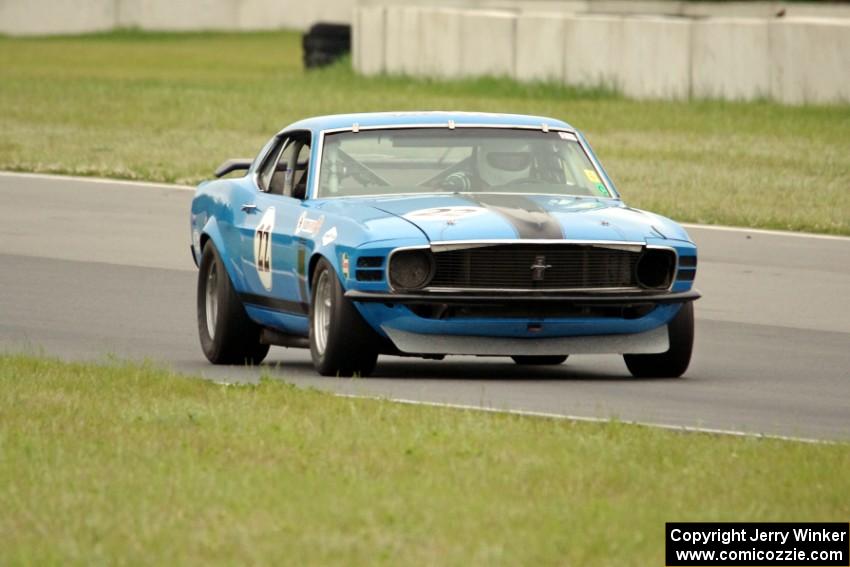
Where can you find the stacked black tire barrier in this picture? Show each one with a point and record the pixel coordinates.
(325, 43)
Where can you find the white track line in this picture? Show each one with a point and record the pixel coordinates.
(765, 232)
(589, 419)
(566, 417)
(128, 183)
(98, 180)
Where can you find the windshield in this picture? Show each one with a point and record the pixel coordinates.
(461, 160)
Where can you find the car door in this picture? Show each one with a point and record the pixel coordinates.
(270, 252)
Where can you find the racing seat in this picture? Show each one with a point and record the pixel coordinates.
(278, 182)
(299, 173)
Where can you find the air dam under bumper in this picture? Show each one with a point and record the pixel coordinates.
(646, 342)
(649, 342)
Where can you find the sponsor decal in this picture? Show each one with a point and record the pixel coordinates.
(346, 265)
(591, 176)
(602, 190)
(444, 214)
(307, 226)
(329, 236)
(263, 248)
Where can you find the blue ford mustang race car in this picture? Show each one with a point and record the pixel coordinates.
(429, 234)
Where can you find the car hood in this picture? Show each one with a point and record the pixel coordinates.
(500, 216)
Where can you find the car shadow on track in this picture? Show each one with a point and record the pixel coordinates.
(496, 371)
(483, 369)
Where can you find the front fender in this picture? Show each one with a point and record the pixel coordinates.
(340, 254)
(348, 233)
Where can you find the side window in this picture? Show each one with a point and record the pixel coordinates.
(300, 171)
(277, 185)
(298, 165)
(271, 166)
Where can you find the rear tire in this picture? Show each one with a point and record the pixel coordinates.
(540, 360)
(341, 342)
(675, 361)
(227, 335)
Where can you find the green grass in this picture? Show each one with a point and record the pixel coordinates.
(170, 107)
(130, 464)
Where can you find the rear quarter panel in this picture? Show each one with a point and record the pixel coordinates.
(213, 218)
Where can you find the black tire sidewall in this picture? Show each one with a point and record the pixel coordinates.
(675, 361)
(237, 338)
(210, 345)
(349, 348)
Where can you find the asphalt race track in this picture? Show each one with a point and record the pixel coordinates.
(92, 268)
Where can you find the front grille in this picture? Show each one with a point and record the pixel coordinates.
(535, 266)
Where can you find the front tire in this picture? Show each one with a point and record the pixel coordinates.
(675, 361)
(341, 343)
(539, 360)
(227, 335)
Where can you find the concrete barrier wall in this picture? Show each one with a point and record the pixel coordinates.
(261, 15)
(655, 58)
(790, 60)
(401, 50)
(593, 51)
(540, 47)
(439, 43)
(368, 32)
(645, 57)
(810, 61)
(166, 15)
(764, 9)
(21, 17)
(729, 59)
(488, 43)
(703, 8)
(27, 17)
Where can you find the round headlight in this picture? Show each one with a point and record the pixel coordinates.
(655, 269)
(411, 269)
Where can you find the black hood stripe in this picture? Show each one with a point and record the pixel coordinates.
(530, 220)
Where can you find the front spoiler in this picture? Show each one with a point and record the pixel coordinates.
(648, 342)
(549, 299)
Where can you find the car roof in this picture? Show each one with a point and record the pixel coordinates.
(378, 119)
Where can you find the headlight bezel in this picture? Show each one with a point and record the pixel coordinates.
(655, 261)
(423, 253)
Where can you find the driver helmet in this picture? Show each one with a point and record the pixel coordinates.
(501, 162)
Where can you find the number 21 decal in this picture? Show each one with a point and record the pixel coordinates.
(263, 248)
